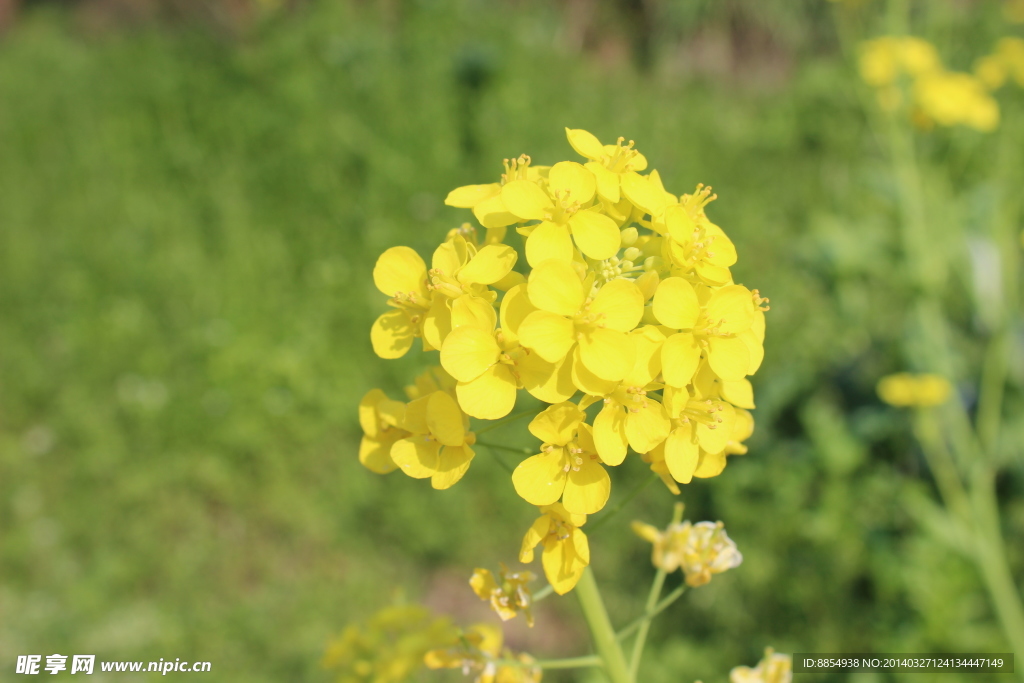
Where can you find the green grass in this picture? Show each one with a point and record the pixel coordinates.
(187, 230)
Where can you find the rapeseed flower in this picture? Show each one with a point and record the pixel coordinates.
(478, 651)
(568, 466)
(439, 445)
(509, 594)
(380, 418)
(615, 169)
(569, 317)
(700, 549)
(773, 668)
(566, 550)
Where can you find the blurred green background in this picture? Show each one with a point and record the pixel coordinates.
(192, 198)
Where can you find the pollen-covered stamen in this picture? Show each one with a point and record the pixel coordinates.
(760, 302)
(702, 412)
(515, 169)
(622, 160)
(700, 198)
(443, 284)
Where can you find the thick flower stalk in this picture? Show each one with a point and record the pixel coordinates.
(590, 287)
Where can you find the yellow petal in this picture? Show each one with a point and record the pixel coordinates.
(375, 455)
(642, 193)
(735, 306)
(722, 251)
(681, 454)
(450, 256)
(490, 396)
(549, 335)
(452, 463)
(509, 281)
(607, 182)
(482, 582)
(596, 235)
(679, 223)
(416, 456)
(392, 334)
(609, 354)
(400, 270)
(588, 382)
(755, 348)
(548, 241)
(414, 419)
(738, 392)
(555, 286)
(515, 306)
(472, 310)
(680, 356)
(710, 465)
(619, 305)
(437, 322)
(647, 341)
(444, 419)
(610, 434)
(728, 357)
(534, 535)
(468, 351)
(368, 412)
(557, 425)
(575, 179)
(468, 196)
(757, 325)
(526, 200)
(585, 143)
(490, 264)
(713, 275)
(647, 427)
(563, 565)
(539, 479)
(492, 213)
(675, 304)
(588, 488)
(648, 283)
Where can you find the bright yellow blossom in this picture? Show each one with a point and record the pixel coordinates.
(773, 668)
(509, 594)
(695, 247)
(568, 467)
(919, 391)
(380, 418)
(951, 99)
(615, 169)
(439, 444)
(566, 550)
(563, 207)
(700, 549)
(568, 317)
(402, 275)
(485, 200)
(883, 60)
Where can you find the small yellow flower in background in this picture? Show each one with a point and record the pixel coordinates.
(700, 549)
(884, 60)
(439, 443)
(773, 668)
(951, 99)
(508, 594)
(568, 467)
(566, 549)
(905, 390)
(1005, 62)
(478, 652)
(390, 647)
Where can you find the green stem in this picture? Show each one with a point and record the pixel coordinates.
(509, 449)
(606, 517)
(607, 646)
(570, 662)
(645, 624)
(504, 465)
(658, 609)
(510, 418)
(543, 593)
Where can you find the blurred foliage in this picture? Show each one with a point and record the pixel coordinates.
(187, 228)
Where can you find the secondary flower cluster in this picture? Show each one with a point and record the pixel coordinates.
(907, 73)
(624, 318)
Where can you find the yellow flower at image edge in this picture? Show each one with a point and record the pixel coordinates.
(905, 390)
(773, 668)
(566, 549)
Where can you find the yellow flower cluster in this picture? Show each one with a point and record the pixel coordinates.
(773, 668)
(905, 390)
(700, 549)
(626, 301)
(897, 65)
(509, 594)
(479, 651)
(390, 647)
